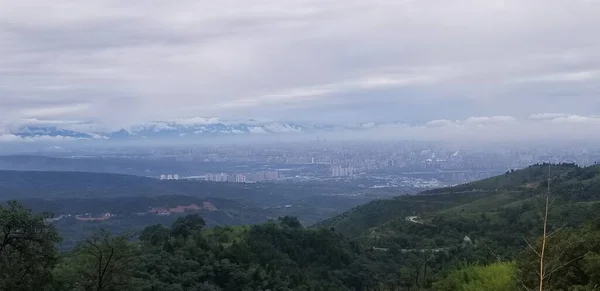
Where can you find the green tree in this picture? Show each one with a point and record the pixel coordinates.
(27, 248)
(591, 265)
(290, 221)
(155, 234)
(494, 277)
(100, 263)
(187, 225)
(573, 260)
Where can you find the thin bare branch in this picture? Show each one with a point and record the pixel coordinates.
(531, 247)
(545, 236)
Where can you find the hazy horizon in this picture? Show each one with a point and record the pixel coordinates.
(435, 70)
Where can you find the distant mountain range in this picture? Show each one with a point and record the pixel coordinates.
(165, 129)
(51, 131)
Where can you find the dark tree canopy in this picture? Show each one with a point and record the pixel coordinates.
(187, 225)
(27, 248)
(102, 262)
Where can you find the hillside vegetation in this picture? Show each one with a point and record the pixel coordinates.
(469, 237)
(32, 184)
(484, 222)
(128, 198)
(512, 180)
(132, 214)
(514, 191)
(52, 185)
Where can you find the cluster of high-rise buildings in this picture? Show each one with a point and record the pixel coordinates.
(169, 177)
(240, 178)
(244, 177)
(263, 176)
(222, 177)
(339, 171)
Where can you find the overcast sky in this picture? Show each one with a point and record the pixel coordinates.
(327, 61)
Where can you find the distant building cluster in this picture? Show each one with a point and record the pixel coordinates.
(169, 177)
(244, 177)
(263, 176)
(222, 177)
(339, 171)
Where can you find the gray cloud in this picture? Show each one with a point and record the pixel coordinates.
(120, 62)
(493, 129)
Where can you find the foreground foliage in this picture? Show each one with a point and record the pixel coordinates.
(27, 249)
(494, 277)
(278, 255)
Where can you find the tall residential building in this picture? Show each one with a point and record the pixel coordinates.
(335, 171)
(240, 178)
(339, 171)
(223, 177)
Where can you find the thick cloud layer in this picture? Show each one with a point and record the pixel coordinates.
(385, 61)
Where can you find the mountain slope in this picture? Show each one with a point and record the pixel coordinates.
(132, 214)
(362, 218)
(513, 191)
(49, 184)
(524, 178)
(310, 202)
(65, 184)
(102, 165)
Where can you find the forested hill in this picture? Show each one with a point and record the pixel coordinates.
(511, 191)
(79, 193)
(485, 222)
(41, 184)
(47, 184)
(513, 180)
(142, 167)
(471, 237)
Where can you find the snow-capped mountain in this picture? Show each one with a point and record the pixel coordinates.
(174, 129)
(163, 129)
(50, 131)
